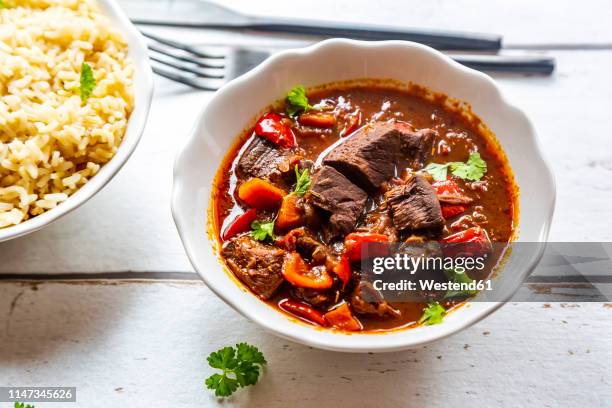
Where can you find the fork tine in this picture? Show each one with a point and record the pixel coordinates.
(185, 68)
(183, 58)
(183, 80)
(181, 46)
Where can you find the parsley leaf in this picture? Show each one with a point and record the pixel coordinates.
(262, 230)
(251, 354)
(432, 314)
(240, 368)
(302, 181)
(297, 101)
(222, 384)
(456, 277)
(437, 171)
(22, 405)
(472, 170)
(88, 82)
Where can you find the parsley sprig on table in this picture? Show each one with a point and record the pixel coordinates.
(239, 368)
(297, 101)
(432, 314)
(88, 82)
(261, 231)
(302, 181)
(473, 169)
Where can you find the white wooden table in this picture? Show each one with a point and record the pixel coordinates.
(70, 317)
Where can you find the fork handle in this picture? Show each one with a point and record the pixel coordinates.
(437, 39)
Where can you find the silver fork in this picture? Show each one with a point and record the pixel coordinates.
(190, 65)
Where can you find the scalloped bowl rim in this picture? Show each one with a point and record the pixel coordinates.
(292, 329)
(143, 95)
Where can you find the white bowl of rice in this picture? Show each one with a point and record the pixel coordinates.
(75, 91)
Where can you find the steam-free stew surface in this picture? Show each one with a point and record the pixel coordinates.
(491, 208)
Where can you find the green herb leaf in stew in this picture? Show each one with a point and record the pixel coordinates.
(261, 231)
(302, 181)
(297, 101)
(432, 314)
(474, 169)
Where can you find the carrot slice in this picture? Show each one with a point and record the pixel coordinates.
(322, 120)
(342, 318)
(296, 272)
(260, 194)
(289, 214)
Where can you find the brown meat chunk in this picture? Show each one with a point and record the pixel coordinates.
(417, 146)
(369, 156)
(257, 265)
(265, 160)
(312, 296)
(365, 299)
(415, 206)
(334, 193)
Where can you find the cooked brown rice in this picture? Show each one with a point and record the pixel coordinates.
(51, 142)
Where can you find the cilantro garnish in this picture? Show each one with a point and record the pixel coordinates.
(22, 405)
(302, 181)
(472, 170)
(240, 368)
(438, 171)
(297, 101)
(432, 314)
(88, 82)
(262, 230)
(456, 277)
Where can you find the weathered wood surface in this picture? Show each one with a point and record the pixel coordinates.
(144, 344)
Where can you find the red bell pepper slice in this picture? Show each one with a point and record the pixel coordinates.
(449, 210)
(241, 223)
(303, 311)
(448, 187)
(354, 242)
(343, 269)
(474, 242)
(271, 127)
(353, 123)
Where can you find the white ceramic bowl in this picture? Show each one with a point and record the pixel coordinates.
(236, 105)
(143, 92)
